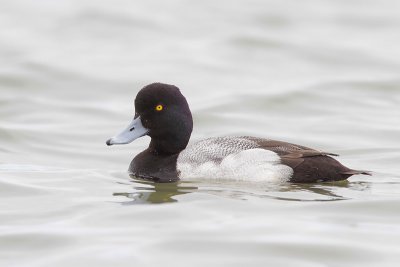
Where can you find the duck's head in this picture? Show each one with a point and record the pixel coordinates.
(162, 113)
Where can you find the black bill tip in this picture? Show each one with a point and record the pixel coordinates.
(108, 142)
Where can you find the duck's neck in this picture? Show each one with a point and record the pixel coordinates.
(169, 145)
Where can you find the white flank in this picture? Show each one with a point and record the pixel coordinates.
(248, 165)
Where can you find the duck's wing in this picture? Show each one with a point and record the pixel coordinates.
(291, 155)
(288, 150)
(309, 164)
(215, 149)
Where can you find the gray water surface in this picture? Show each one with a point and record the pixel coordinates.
(323, 74)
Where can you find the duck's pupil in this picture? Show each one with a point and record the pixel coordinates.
(131, 129)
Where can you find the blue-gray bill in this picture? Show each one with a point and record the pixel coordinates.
(134, 130)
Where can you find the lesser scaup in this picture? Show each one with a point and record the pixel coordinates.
(163, 113)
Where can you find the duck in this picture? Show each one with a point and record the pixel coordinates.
(163, 114)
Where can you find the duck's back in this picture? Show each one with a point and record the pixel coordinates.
(258, 159)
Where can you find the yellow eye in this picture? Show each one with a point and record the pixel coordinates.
(159, 107)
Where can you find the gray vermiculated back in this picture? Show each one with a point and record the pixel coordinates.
(215, 149)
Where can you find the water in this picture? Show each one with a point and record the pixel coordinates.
(324, 74)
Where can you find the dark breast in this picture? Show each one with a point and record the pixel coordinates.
(158, 168)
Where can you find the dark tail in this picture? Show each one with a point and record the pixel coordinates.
(354, 172)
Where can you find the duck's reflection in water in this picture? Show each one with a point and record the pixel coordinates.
(325, 191)
(149, 192)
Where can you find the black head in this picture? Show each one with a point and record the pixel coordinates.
(162, 113)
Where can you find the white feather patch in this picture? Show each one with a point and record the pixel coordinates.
(255, 164)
